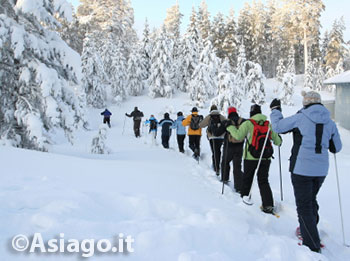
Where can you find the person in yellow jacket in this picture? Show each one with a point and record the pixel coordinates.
(194, 131)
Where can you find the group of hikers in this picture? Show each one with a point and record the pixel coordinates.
(232, 138)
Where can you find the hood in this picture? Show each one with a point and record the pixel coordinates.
(180, 118)
(152, 118)
(259, 117)
(214, 112)
(317, 113)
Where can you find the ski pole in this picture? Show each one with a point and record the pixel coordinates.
(245, 200)
(339, 198)
(279, 157)
(124, 124)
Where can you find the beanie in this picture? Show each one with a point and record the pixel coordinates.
(213, 108)
(194, 109)
(310, 97)
(230, 110)
(255, 109)
(179, 113)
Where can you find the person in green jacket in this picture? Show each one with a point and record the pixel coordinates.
(250, 163)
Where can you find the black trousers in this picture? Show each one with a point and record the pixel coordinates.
(305, 192)
(232, 152)
(107, 120)
(194, 143)
(180, 142)
(165, 141)
(215, 146)
(137, 124)
(263, 180)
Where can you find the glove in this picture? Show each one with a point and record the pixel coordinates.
(126, 114)
(276, 104)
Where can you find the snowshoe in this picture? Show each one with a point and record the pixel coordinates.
(247, 200)
(298, 235)
(269, 210)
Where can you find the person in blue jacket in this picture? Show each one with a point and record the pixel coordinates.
(106, 117)
(166, 124)
(153, 125)
(314, 133)
(180, 131)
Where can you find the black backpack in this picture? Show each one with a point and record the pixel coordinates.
(258, 139)
(153, 124)
(214, 124)
(195, 120)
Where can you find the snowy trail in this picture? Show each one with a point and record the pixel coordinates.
(171, 205)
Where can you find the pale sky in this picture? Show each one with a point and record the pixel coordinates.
(155, 11)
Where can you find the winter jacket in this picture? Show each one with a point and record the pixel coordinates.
(313, 134)
(106, 113)
(246, 130)
(137, 115)
(166, 124)
(150, 124)
(206, 122)
(187, 122)
(180, 129)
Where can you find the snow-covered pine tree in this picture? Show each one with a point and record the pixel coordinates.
(218, 34)
(241, 71)
(280, 70)
(94, 77)
(203, 20)
(172, 21)
(230, 41)
(291, 61)
(118, 72)
(309, 78)
(160, 80)
(255, 84)
(244, 30)
(98, 144)
(288, 86)
(340, 66)
(39, 75)
(134, 74)
(146, 52)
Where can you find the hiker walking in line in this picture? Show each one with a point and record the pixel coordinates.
(107, 117)
(194, 131)
(166, 124)
(213, 121)
(137, 117)
(153, 125)
(314, 133)
(255, 130)
(180, 131)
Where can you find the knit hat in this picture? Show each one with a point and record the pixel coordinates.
(310, 97)
(166, 115)
(230, 110)
(255, 109)
(194, 109)
(179, 113)
(213, 108)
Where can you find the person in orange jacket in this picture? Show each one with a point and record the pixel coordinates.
(194, 131)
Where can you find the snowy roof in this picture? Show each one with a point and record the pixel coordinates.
(340, 78)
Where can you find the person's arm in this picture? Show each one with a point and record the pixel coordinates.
(277, 140)
(282, 125)
(186, 121)
(335, 144)
(205, 122)
(129, 115)
(241, 133)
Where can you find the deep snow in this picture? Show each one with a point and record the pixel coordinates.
(171, 205)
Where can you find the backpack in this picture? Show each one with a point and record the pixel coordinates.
(195, 120)
(153, 124)
(214, 124)
(258, 139)
(232, 139)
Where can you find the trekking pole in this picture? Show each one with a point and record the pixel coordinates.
(124, 124)
(225, 158)
(340, 205)
(247, 199)
(279, 157)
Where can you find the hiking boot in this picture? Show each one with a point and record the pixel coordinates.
(268, 209)
(217, 172)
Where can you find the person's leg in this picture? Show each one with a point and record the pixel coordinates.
(237, 153)
(304, 194)
(198, 144)
(213, 158)
(264, 185)
(109, 122)
(249, 168)
(180, 142)
(217, 153)
(225, 164)
(165, 141)
(191, 142)
(318, 181)
(137, 124)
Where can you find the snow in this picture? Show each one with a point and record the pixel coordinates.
(340, 78)
(171, 205)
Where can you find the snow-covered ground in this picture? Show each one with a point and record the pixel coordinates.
(170, 205)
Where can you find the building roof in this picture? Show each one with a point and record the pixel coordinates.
(340, 78)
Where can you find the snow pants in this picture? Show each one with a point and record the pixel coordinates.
(305, 192)
(194, 143)
(137, 124)
(107, 120)
(232, 152)
(165, 141)
(263, 180)
(180, 142)
(215, 146)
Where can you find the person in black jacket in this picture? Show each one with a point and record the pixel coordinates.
(106, 117)
(166, 124)
(233, 151)
(137, 117)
